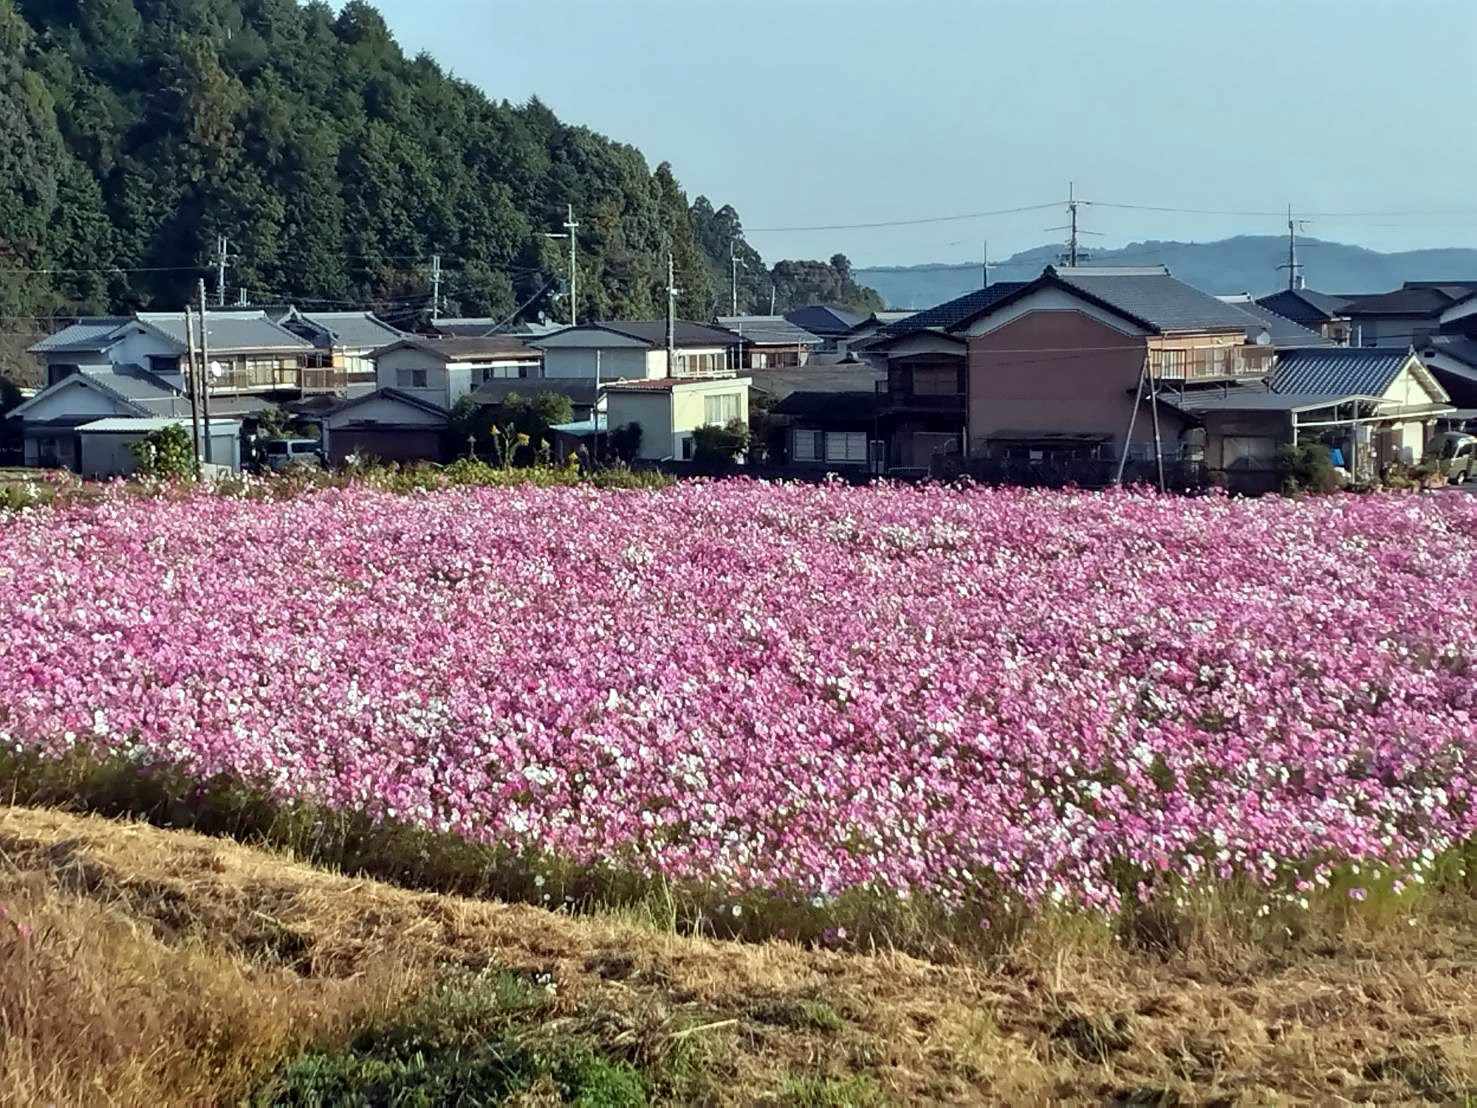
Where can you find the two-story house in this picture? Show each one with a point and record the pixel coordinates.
(1317, 311)
(442, 371)
(343, 343)
(1406, 317)
(248, 352)
(769, 342)
(636, 349)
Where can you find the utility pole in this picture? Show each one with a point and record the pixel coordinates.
(1294, 270)
(221, 246)
(985, 266)
(1072, 214)
(570, 227)
(435, 287)
(771, 298)
(734, 265)
(672, 291)
(190, 386)
(204, 374)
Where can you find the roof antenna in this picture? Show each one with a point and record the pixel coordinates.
(1293, 267)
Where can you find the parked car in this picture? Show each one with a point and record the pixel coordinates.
(1454, 454)
(281, 454)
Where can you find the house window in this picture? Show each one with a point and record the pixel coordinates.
(49, 452)
(160, 364)
(410, 378)
(810, 446)
(721, 410)
(687, 448)
(846, 446)
(935, 380)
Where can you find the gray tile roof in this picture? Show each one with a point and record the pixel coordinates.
(351, 330)
(229, 332)
(135, 383)
(779, 383)
(1152, 297)
(1339, 370)
(771, 330)
(1305, 306)
(1418, 301)
(1282, 332)
(466, 349)
(88, 334)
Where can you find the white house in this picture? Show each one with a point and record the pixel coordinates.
(49, 421)
(252, 352)
(636, 349)
(442, 371)
(669, 409)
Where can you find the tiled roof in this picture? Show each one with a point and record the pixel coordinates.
(465, 349)
(858, 377)
(950, 312)
(358, 330)
(1339, 370)
(1282, 331)
(228, 332)
(819, 319)
(768, 330)
(1305, 306)
(1243, 399)
(1152, 297)
(1418, 301)
(88, 334)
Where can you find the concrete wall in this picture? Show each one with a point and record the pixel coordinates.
(653, 411)
(629, 363)
(1061, 371)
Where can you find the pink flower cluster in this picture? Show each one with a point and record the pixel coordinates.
(806, 689)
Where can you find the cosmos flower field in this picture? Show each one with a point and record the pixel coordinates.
(800, 690)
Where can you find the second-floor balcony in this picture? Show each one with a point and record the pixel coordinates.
(1211, 362)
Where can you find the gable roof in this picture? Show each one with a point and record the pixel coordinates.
(823, 320)
(90, 334)
(226, 332)
(768, 330)
(1151, 296)
(362, 330)
(1305, 306)
(1281, 332)
(1417, 301)
(137, 391)
(651, 332)
(669, 384)
(1339, 370)
(396, 396)
(465, 349)
(946, 315)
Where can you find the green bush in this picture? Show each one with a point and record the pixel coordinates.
(1308, 467)
(625, 441)
(713, 444)
(166, 454)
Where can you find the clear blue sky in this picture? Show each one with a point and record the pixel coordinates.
(820, 112)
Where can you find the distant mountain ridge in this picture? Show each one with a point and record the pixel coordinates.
(1246, 263)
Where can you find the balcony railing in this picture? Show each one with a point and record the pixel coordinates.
(1212, 362)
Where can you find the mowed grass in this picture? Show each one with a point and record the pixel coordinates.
(162, 967)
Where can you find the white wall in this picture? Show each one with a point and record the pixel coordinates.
(74, 399)
(389, 365)
(383, 410)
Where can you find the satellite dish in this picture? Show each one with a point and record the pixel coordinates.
(216, 370)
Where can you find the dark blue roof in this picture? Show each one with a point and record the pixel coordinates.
(823, 320)
(1305, 306)
(1339, 370)
(954, 311)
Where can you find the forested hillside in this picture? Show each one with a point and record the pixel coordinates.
(137, 131)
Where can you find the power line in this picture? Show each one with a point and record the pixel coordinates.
(904, 222)
(1281, 214)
